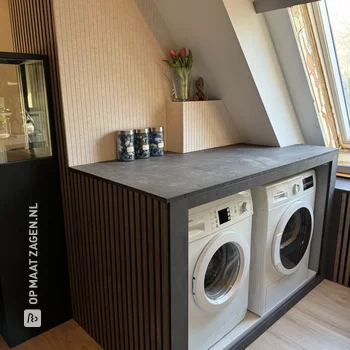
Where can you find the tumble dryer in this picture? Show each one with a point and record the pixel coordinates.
(219, 262)
(282, 232)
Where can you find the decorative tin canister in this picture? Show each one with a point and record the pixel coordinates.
(126, 150)
(142, 149)
(157, 142)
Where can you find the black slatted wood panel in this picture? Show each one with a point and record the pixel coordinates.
(120, 266)
(341, 273)
(117, 240)
(33, 32)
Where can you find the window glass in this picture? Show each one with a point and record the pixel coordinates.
(310, 54)
(339, 17)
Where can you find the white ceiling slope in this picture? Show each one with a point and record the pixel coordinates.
(259, 51)
(282, 33)
(258, 102)
(204, 26)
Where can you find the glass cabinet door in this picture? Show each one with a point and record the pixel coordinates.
(24, 119)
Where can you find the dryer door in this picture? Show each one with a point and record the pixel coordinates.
(219, 271)
(293, 237)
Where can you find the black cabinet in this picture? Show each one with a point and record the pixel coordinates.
(33, 262)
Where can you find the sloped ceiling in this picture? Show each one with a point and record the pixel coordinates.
(208, 28)
(205, 27)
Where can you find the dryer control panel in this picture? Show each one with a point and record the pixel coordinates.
(220, 214)
(308, 182)
(291, 188)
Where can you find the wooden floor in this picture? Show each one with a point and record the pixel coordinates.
(67, 336)
(320, 321)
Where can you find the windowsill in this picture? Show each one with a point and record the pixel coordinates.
(344, 164)
(342, 184)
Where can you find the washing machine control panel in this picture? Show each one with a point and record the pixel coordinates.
(221, 214)
(230, 213)
(296, 189)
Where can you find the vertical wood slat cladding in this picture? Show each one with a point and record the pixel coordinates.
(113, 261)
(341, 273)
(120, 247)
(33, 32)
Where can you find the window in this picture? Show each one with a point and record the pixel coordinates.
(323, 34)
(332, 24)
(339, 20)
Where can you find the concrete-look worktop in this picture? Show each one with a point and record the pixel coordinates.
(175, 176)
(129, 245)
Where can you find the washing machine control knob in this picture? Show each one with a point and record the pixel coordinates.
(245, 207)
(296, 188)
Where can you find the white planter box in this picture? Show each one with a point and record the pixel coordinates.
(195, 126)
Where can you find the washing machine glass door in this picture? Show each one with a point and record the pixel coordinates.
(293, 237)
(220, 270)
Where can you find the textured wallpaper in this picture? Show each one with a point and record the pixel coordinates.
(112, 76)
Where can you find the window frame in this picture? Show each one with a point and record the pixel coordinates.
(321, 22)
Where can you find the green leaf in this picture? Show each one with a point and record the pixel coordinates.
(180, 73)
(170, 64)
(177, 64)
(190, 60)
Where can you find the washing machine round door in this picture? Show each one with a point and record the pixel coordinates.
(293, 237)
(220, 270)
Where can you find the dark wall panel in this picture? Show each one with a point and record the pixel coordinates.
(33, 32)
(117, 240)
(120, 265)
(341, 230)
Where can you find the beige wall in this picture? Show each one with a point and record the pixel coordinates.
(112, 75)
(5, 28)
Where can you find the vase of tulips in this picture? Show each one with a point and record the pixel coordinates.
(180, 67)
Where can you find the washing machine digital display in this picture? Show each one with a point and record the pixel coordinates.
(308, 182)
(224, 215)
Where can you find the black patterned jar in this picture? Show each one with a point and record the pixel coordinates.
(142, 149)
(157, 141)
(126, 150)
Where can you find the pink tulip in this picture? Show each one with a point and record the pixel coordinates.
(183, 52)
(173, 53)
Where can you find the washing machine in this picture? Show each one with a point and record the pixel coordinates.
(283, 225)
(219, 263)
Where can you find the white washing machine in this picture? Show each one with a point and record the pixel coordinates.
(219, 262)
(283, 225)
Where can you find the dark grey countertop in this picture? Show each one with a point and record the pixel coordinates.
(175, 176)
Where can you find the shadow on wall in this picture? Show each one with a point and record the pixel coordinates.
(156, 24)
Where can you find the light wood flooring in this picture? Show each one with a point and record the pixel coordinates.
(320, 321)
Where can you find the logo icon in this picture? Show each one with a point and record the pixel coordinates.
(32, 318)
